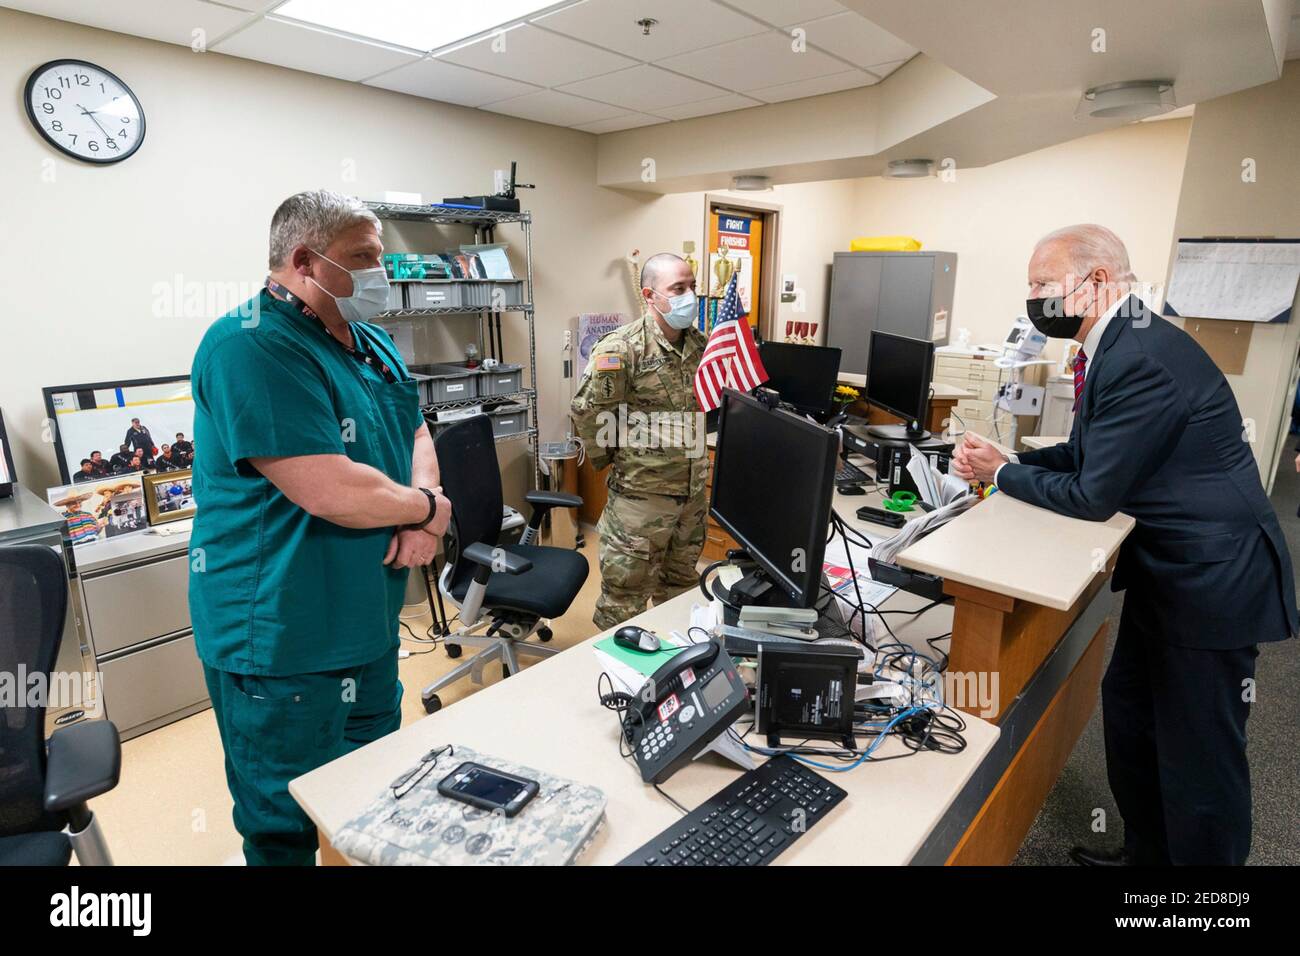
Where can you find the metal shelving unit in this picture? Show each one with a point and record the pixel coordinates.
(484, 223)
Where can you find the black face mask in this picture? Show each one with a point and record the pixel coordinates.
(1048, 315)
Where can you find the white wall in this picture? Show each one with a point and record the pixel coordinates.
(1262, 124)
(1126, 179)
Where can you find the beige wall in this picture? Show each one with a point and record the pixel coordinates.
(1262, 124)
(1127, 179)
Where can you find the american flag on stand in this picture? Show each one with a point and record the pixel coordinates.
(730, 357)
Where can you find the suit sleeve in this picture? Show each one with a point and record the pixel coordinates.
(1058, 457)
(1139, 417)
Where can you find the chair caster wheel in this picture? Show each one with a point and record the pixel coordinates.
(432, 704)
(454, 650)
(544, 634)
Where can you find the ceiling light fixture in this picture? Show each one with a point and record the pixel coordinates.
(1131, 100)
(414, 24)
(751, 184)
(909, 169)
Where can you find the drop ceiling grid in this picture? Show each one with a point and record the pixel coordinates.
(628, 87)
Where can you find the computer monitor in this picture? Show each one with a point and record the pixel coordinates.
(772, 486)
(804, 375)
(899, 371)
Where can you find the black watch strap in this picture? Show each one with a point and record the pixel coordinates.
(433, 510)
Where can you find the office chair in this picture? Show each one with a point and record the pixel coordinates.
(512, 590)
(44, 785)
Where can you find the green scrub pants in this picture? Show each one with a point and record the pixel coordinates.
(274, 729)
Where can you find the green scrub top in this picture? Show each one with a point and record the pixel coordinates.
(274, 591)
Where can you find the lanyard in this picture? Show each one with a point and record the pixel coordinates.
(365, 357)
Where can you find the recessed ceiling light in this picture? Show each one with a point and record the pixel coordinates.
(1132, 100)
(415, 24)
(908, 169)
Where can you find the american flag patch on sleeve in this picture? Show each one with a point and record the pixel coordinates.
(608, 363)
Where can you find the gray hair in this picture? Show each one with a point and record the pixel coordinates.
(654, 267)
(1090, 246)
(314, 219)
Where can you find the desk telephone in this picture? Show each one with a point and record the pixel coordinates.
(691, 699)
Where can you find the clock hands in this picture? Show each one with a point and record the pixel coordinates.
(91, 114)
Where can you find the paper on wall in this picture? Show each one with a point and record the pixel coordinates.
(1242, 281)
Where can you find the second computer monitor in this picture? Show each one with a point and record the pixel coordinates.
(804, 375)
(899, 371)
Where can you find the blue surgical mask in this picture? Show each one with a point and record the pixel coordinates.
(369, 292)
(682, 311)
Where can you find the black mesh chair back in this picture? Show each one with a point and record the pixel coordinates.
(471, 480)
(33, 603)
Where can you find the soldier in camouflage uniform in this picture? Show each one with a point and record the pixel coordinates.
(636, 410)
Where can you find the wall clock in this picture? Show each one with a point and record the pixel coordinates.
(84, 111)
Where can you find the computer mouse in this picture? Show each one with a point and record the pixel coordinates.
(636, 639)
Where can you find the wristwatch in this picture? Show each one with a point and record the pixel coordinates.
(433, 510)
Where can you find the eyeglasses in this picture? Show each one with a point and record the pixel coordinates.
(407, 781)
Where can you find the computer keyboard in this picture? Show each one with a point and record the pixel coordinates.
(750, 822)
(849, 473)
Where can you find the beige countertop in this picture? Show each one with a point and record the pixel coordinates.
(548, 717)
(942, 390)
(1043, 441)
(1021, 550)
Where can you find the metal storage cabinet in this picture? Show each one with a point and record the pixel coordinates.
(908, 293)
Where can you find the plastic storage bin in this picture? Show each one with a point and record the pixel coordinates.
(503, 379)
(511, 292)
(448, 383)
(509, 420)
(396, 296)
(432, 295)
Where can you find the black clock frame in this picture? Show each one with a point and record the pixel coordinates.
(108, 160)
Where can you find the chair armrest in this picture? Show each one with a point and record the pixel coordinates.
(552, 499)
(84, 760)
(495, 559)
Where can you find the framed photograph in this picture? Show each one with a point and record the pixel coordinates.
(169, 496)
(105, 429)
(7, 474)
(97, 510)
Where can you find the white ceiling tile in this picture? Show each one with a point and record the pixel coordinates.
(643, 88)
(814, 87)
(765, 60)
(448, 83)
(560, 109)
(626, 121)
(858, 40)
(786, 13)
(709, 107)
(172, 21)
(683, 25)
(315, 51)
(252, 6)
(537, 56)
(883, 70)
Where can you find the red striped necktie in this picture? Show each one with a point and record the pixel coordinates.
(1080, 363)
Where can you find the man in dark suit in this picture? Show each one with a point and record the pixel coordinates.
(1158, 435)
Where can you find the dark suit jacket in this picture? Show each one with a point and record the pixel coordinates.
(1158, 436)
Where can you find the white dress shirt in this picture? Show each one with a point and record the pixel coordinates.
(1089, 348)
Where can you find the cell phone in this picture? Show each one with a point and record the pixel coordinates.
(488, 788)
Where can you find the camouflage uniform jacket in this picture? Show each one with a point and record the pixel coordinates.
(634, 374)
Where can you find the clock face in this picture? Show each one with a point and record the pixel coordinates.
(85, 111)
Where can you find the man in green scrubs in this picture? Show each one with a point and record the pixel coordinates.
(317, 489)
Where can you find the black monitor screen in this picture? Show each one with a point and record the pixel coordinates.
(772, 478)
(898, 374)
(805, 375)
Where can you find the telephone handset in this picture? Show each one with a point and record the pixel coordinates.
(690, 700)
